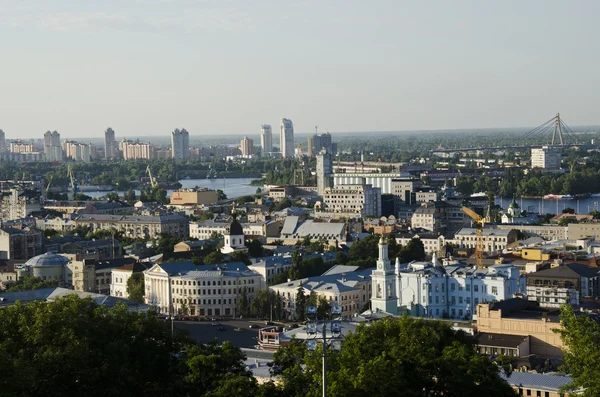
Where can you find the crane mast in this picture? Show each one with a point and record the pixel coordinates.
(479, 224)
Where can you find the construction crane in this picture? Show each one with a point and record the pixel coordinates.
(49, 184)
(152, 179)
(72, 179)
(479, 224)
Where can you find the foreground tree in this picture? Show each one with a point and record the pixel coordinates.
(74, 347)
(29, 283)
(581, 336)
(408, 357)
(135, 287)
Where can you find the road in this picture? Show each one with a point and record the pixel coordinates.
(204, 331)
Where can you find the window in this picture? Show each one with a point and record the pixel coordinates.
(452, 287)
(494, 290)
(460, 300)
(453, 300)
(437, 299)
(460, 287)
(476, 301)
(476, 288)
(468, 287)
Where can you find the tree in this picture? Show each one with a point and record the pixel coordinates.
(415, 356)
(77, 347)
(243, 306)
(112, 196)
(29, 283)
(130, 196)
(568, 210)
(581, 337)
(300, 303)
(255, 248)
(221, 195)
(136, 287)
(214, 258)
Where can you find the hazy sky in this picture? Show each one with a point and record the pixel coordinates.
(145, 67)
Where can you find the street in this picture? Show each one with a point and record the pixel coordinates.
(204, 331)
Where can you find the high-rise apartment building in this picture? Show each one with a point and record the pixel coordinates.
(21, 147)
(286, 138)
(324, 171)
(546, 157)
(52, 149)
(110, 145)
(247, 147)
(136, 150)
(180, 144)
(78, 151)
(2, 141)
(317, 142)
(266, 139)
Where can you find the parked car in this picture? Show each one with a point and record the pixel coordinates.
(215, 323)
(269, 323)
(293, 326)
(253, 326)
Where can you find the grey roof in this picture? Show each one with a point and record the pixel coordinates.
(272, 261)
(341, 282)
(174, 268)
(312, 229)
(537, 381)
(499, 340)
(289, 225)
(469, 231)
(569, 270)
(338, 269)
(48, 259)
(169, 218)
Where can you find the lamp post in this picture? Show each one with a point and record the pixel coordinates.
(334, 340)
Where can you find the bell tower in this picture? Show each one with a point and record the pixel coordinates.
(383, 291)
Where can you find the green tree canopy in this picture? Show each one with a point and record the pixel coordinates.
(406, 356)
(135, 287)
(29, 283)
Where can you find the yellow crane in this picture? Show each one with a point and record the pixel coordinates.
(479, 224)
(72, 179)
(152, 179)
(49, 184)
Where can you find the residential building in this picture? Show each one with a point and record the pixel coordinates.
(21, 147)
(568, 283)
(247, 147)
(494, 240)
(324, 171)
(403, 189)
(209, 290)
(52, 148)
(102, 249)
(198, 196)
(533, 384)
(317, 142)
(380, 180)
(78, 151)
(351, 290)
(269, 267)
(266, 139)
(547, 232)
(576, 231)
(137, 226)
(520, 317)
(180, 144)
(2, 141)
(433, 243)
(207, 229)
(19, 244)
(110, 144)
(439, 217)
(350, 201)
(294, 230)
(286, 138)
(136, 150)
(121, 275)
(546, 157)
(18, 204)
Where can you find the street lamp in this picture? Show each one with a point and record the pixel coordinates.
(334, 341)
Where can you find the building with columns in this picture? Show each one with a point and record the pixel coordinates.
(208, 290)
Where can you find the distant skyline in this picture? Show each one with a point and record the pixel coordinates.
(146, 67)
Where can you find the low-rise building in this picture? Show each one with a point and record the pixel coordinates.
(295, 230)
(269, 267)
(547, 232)
(520, 317)
(568, 283)
(351, 290)
(350, 201)
(439, 217)
(494, 240)
(137, 227)
(432, 243)
(19, 244)
(194, 197)
(209, 290)
(207, 229)
(121, 275)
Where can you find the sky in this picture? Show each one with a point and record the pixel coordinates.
(146, 67)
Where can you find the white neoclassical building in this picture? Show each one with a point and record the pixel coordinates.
(428, 289)
(209, 290)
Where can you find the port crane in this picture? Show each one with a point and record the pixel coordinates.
(479, 224)
(49, 184)
(152, 179)
(72, 179)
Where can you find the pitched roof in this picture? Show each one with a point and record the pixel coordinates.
(499, 340)
(569, 270)
(135, 267)
(537, 381)
(174, 268)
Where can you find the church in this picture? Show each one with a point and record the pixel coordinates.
(438, 289)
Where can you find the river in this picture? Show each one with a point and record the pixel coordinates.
(232, 187)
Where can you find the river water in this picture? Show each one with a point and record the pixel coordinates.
(232, 187)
